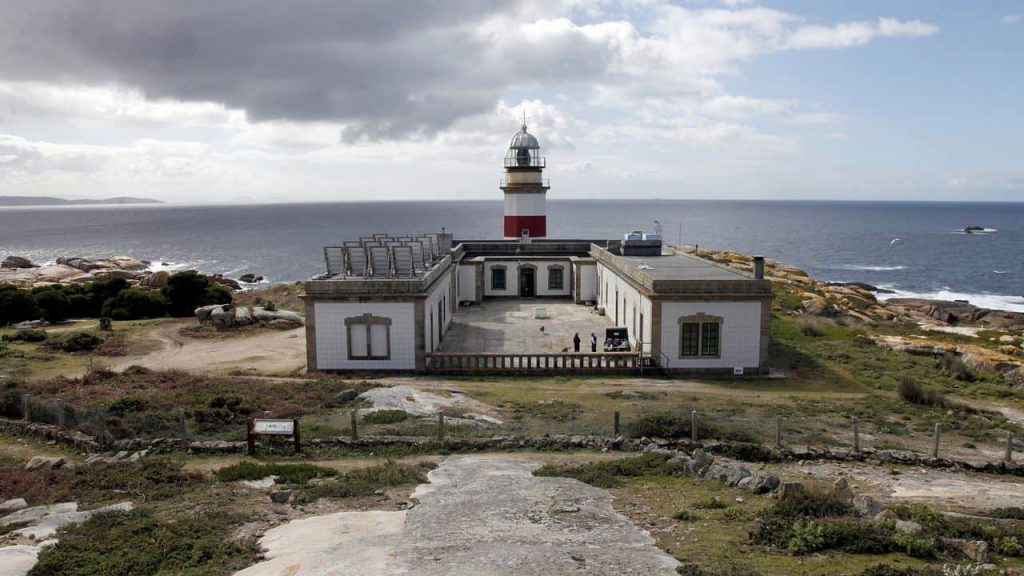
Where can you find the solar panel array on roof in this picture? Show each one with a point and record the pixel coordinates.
(382, 255)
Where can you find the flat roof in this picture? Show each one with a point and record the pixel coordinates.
(677, 266)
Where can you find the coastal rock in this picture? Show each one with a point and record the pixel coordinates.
(223, 316)
(264, 315)
(13, 505)
(38, 462)
(250, 278)
(225, 281)
(17, 262)
(973, 550)
(243, 317)
(343, 397)
(203, 312)
(155, 280)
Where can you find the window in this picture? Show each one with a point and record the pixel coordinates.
(700, 335)
(369, 337)
(498, 278)
(556, 278)
(690, 338)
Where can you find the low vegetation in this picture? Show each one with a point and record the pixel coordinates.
(611, 473)
(366, 481)
(110, 297)
(283, 473)
(139, 543)
(385, 417)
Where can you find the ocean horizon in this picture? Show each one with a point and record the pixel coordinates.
(834, 240)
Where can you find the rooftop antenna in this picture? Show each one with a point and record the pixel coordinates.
(657, 228)
(524, 118)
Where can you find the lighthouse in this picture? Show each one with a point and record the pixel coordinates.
(525, 188)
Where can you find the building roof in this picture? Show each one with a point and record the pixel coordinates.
(676, 266)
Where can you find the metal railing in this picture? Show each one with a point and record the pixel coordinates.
(534, 362)
(532, 162)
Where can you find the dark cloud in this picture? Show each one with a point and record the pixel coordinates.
(383, 68)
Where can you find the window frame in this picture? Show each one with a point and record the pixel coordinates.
(504, 278)
(708, 345)
(560, 276)
(366, 322)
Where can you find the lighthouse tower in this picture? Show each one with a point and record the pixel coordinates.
(525, 188)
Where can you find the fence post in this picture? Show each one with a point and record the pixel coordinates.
(183, 422)
(616, 423)
(856, 434)
(778, 431)
(440, 426)
(938, 438)
(25, 399)
(1009, 447)
(693, 425)
(60, 414)
(355, 428)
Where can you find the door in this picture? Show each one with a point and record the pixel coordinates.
(527, 282)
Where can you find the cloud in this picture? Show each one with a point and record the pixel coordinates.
(1011, 19)
(386, 70)
(850, 34)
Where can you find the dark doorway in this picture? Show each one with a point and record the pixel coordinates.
(527, 282)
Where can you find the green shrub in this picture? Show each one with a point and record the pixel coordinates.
(608, 474)
(137, 543)
(916, 545)
(811, 329)
(806, 537)
(186, 291)
(286, 473)
(685, 516)
(365, 481)
(385, 417)
(17, 305)
(712, 503)
(135, 303)
(76, 342)
(52, 302)
(691, 569)
(911, 391)
(659, 425)
(1008, 546)
(889, 570)
(1013, 513)
(811, 502)
(26, 335)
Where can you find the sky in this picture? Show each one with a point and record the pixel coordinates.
(196, 101)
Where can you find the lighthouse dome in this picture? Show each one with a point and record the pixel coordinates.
(523, 140)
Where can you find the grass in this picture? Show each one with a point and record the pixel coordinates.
(285, 473)
(139, 544)
(385, 417)
(366, 481)
(151, 479)
(610, 474)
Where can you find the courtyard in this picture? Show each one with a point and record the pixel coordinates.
(510, 326)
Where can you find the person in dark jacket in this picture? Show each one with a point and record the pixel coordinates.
(593, 342)
(576, 342)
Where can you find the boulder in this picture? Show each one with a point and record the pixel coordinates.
(973, 550)
(343, 397)
(17, 262)
(38, 462)
(13, 505)
(842, 490)
(156, 279)
(789, 489)
(908, 527)
(264, 315)
(679, 461)
(763, 483)
(37, 512)
(1007, 339)
(699, 463)
(250, 278)
(243, 317)
(729, 473)
(228, 282)
(223, 316)
(280, 496)
(867, 506)
(203, 312)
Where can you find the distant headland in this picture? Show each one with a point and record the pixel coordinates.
(54, 201)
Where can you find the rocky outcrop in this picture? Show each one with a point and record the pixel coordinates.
(225, 316)
(17, 262)
(250, 278)
(958, 313)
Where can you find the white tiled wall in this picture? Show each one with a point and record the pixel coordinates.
(331, 335)
(512, 277)
(543, 271)
(440, 292)
(740, 339)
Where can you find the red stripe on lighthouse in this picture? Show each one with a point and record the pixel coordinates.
(537, 225)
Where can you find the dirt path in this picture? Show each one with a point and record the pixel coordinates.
(281, 352)
(478, 515)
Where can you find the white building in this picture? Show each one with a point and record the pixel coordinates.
(386, 303)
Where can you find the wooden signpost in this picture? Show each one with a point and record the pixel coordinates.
(273, 427)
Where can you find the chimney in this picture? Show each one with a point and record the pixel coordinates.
(759, 267)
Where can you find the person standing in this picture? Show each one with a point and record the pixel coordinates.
(576, 342)
(593, 342)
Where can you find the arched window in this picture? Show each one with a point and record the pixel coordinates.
(700, 336)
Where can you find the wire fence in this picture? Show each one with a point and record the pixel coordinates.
(769, 425)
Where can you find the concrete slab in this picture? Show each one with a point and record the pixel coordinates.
(509, 326)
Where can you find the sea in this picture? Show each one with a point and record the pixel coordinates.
(917, 249)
